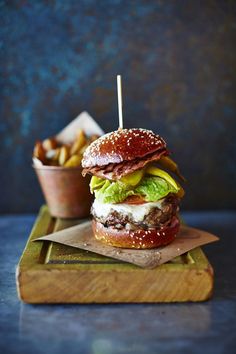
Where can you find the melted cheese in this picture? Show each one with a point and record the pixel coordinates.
(138, 211)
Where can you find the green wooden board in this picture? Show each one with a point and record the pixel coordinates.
(50, 272)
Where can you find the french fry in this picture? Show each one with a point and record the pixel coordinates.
(50, 144)
(79, 142)
(39, 152)
(64, 155)
(74, 161)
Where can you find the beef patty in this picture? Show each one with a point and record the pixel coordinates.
(156, 217)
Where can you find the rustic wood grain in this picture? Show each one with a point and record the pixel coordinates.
(53, 273)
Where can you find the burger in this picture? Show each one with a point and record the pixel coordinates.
(136, 196)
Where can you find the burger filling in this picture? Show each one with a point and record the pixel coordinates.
(131, 217)
(146, 198)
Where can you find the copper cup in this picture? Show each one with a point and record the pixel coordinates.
(66, 191)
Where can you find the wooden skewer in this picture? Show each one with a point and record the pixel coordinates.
(119, 94)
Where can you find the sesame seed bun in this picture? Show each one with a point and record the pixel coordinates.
(122, 145)
(139, 238)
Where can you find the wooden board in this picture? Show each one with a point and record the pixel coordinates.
(53, 273)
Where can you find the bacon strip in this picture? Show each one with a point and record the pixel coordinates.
(114, 171)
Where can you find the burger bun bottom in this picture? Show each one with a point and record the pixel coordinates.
(136, 239)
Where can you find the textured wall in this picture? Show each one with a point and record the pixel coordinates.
(178, 61)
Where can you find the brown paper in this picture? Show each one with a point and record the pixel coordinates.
(83, 121)
(81, 236)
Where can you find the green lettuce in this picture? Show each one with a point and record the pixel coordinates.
(150, 188)
(113, 192)
(154, 188)
(96, 183)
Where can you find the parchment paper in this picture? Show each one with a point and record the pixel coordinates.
(83, 121)
(81, 236)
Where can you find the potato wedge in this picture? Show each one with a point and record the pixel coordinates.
(53, 153)
(64, 155)
(53, 156)
(79, 142)
(50, 144)
(74, 161)
(39, 152)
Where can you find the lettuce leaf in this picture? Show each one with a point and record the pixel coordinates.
(154, 188)
(96, 183)
(113, 192)
(150, 188)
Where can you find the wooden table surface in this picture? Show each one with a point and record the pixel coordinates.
(208, 327)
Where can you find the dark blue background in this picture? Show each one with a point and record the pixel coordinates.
(178, 61)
